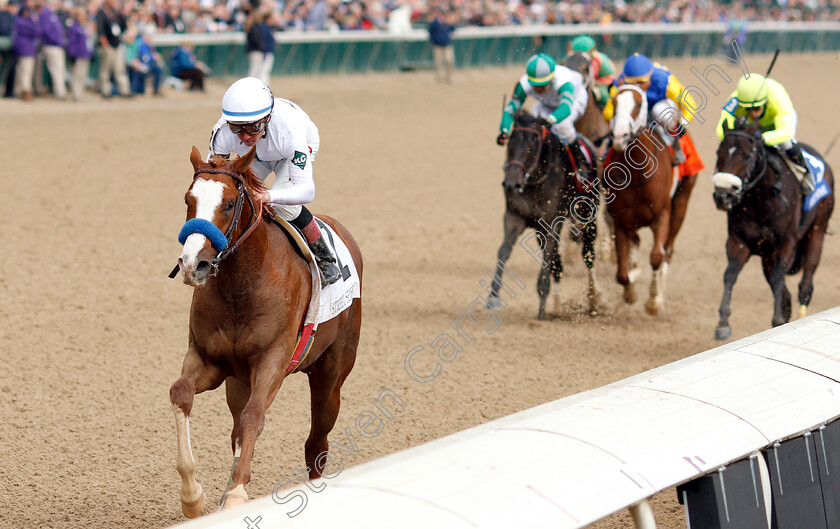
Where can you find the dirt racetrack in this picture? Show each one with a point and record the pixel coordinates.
(92, 333)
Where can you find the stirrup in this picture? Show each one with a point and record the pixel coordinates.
(807, 183)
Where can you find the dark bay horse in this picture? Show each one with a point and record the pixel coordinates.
(765, 217)
(639, 173)
(250, 301)
(541, 193)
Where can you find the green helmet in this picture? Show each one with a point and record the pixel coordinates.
(752, 91)
(583, 43)
(540, 69)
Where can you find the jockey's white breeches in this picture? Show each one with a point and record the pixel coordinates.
(565, 130)
(666, 114)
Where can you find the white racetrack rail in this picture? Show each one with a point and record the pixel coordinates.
(571, 462)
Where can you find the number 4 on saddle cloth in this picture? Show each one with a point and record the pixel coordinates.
(327, 301)
(821, 188)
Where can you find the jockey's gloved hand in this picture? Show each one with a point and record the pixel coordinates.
(502, 138)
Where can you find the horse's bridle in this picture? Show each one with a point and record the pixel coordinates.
(526, 171)
(237, 214)
(757, 153)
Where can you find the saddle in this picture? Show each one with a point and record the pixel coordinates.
(327, 300)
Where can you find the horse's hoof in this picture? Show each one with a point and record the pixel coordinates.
(196, 508)
(233, 499)
(493, 303)
(723, 333)
(653, 307)
(803, 311)
(629, 295)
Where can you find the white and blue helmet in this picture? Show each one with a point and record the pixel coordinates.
(247, 100)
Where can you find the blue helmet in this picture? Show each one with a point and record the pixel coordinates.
(637, 69)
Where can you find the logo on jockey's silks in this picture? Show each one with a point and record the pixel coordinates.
(299, 159)
(731, 105)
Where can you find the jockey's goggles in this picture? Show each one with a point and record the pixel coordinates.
(250, 128)
(752, 105)
(637, 80)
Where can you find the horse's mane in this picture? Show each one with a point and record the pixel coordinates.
(742, 125)
(525, 119)
(252, 182)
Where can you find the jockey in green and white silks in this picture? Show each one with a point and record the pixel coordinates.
(561, 99)
(765, 100)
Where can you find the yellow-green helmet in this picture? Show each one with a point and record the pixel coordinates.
(540, 69)
(752, 91)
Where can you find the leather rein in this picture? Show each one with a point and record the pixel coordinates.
(253, 222)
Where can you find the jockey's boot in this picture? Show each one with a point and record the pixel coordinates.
(794, 154)
(325, 260)
(584, 169)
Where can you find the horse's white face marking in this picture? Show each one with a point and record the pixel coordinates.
(208, 197)
(623, 123)
(731, 150)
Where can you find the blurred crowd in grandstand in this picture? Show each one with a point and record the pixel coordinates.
(201, 16)
(35, 27)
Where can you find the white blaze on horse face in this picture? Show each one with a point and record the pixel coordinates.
(623, 123)
(727, 181)
(208, 197)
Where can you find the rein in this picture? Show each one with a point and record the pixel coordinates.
(541, 134)
(253, 222)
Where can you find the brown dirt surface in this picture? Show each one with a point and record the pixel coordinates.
(93, 333)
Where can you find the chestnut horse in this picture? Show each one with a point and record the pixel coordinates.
(763, 201)
(540, 192)
(251, 296)
(640, 175)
